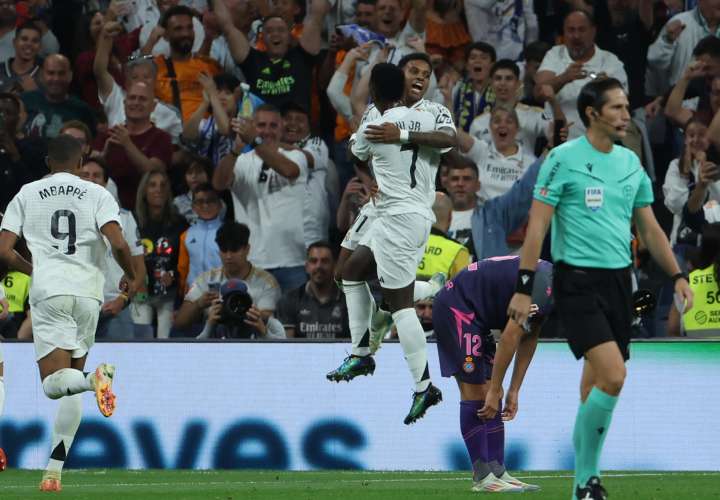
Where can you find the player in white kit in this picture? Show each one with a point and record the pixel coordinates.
(395, 243)
(63, 220)
(417, 69)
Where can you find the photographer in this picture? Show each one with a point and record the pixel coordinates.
(206, 297)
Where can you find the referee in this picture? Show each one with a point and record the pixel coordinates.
(593, 191)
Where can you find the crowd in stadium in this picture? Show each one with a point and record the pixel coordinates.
(222, 129)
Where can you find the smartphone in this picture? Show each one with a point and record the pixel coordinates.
(214, 287)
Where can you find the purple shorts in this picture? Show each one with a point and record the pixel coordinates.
(466, 348)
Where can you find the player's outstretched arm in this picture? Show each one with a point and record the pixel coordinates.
(9, 256)
(121, 252)
(509, 340)
(659, 247)
(540, 216)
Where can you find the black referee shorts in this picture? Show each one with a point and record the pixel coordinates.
(593, 306)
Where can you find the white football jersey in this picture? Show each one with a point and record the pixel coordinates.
(60, 217)
(534, 123)
(406, 179)
(113, 271)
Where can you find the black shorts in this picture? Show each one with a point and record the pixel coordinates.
(593, 306)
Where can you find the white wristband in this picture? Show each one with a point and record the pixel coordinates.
(404, 136)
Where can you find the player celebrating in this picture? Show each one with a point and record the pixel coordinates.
(63, 219)
(417, 69)
(396, 241)
(593, 190)
(464, 312)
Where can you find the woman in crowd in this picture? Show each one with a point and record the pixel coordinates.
(160, 227)
(502, 161)
(684, 183)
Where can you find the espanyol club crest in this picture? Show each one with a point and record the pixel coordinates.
(468, 365)
(594, 198)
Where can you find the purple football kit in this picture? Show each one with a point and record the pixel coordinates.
(475, 302)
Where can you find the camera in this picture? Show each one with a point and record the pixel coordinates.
(236, 301)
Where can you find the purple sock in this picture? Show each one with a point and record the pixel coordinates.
(496, 443)
(475, 436)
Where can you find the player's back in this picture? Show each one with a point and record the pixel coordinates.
(406, 184)
(490, 284)
(60, 217)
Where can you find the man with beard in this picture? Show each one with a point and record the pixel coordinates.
(417, 71)
(53, 105)
(568, 67)
(177, 81)
(316, 310)
(284, 72)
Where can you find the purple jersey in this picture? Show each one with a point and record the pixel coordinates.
(487, 286)
(472, 304)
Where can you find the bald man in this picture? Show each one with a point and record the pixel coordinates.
(442, 254)
(48, 108)
(136, 146)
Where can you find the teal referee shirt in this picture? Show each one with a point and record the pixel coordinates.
(594, 194)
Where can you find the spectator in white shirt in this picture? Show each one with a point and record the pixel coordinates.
(503, 160)
(684, 179)
(672, 50)
(269, 189)
(508, 25)
(505, 82)
(570, 66)
(316, 214)
(140, 69)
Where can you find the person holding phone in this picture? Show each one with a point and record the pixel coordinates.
(691, 179)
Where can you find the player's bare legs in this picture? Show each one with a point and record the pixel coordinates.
(63, 378)
(602, 380)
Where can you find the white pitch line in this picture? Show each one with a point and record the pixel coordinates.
(396, 480)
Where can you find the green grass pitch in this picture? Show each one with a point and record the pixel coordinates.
(346, 485)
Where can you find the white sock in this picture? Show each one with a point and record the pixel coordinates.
(2, 394)
(67, 422)
(66, 382)
(360, 306)
(412, 340)
(422, 291)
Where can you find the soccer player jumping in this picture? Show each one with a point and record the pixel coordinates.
(593, 190)
(464, 312)
(63, 219)
(395, 242)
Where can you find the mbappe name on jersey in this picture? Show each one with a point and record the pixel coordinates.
(63, 190)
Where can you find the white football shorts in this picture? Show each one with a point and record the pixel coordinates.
(365, 219)
(398, 245)
(64, 322)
